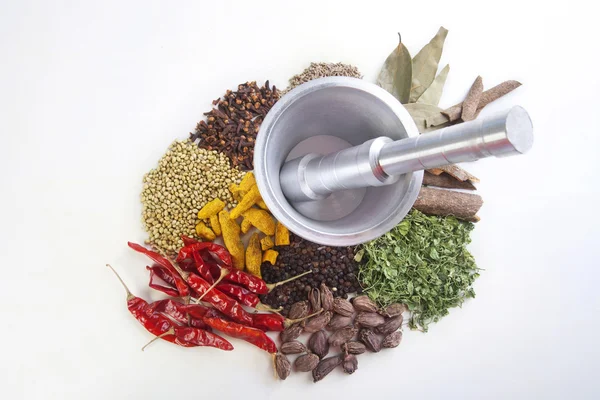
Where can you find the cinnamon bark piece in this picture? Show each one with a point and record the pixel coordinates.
(470, 105)
(453, 113)
(444, 202)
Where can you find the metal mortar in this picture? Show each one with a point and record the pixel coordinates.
(339, 161)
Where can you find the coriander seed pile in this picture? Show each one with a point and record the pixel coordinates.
(186, 178)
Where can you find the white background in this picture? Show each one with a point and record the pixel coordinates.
(92, 93)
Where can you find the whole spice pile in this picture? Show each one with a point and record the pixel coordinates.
(232, 126)
(355, 327)
(322, 70)
(423, 262)
(197, 275)
(332, 266)
(416, 83)
(185, 180)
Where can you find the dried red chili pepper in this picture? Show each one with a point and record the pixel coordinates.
(187, 265)
(188, 240)
(199, 311)
(239, 293)
(163, 328)
(162, 274)
(218, 250)
(244, 296)
(275, 322)
(219, 300)
(202, 268)
(178, 312)
(255, 284)
(187, 336)
(250, 335)
(180, 284)
(250, 282)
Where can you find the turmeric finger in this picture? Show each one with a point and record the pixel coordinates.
(247, 182)
(282, 235)
(270, 256)
(253, 256)
(248, 201)
(266, 243)
(211, 208)
(246, 225)
(215, 225)
(205, 232)
(262, 220)
(231, 238)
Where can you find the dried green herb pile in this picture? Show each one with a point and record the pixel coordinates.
(424, 263)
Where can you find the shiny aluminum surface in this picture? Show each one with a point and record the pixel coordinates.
(352, 110)
(380, 161)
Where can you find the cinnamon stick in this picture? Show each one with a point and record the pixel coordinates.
(470, 105)
(448, 202)
(453, 113)
(446, 181)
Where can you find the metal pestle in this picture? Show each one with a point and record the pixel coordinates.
(382, 161)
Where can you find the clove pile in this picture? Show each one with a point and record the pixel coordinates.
(344, 328)
(231, 126)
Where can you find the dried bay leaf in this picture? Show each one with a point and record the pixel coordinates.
(438, 120)
(433, 94)
(421, 112)
(425, 64)
(396, 74)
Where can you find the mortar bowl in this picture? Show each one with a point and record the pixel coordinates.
(323, 116)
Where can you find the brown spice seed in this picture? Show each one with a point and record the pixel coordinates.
(292, 347)
(343, 307)
(290, 333)
(299, 310)
(350, 363)
(343, 335)
(354, 347)
(306, 362)
(338, 321)
(370, 340)
(364, 303)
(326, 297)
(325, 366)
(282, 366)
(318, 343)
(392, 340)
(369, 319)
(314, 298)
(393, 310)
(318, 322)
(390, 325)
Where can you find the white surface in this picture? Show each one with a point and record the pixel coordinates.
(91, 94)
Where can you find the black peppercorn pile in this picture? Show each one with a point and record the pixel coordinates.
(232, 126)
(333, 266)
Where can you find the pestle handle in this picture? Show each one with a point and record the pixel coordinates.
(505, 134)
(382, 161)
